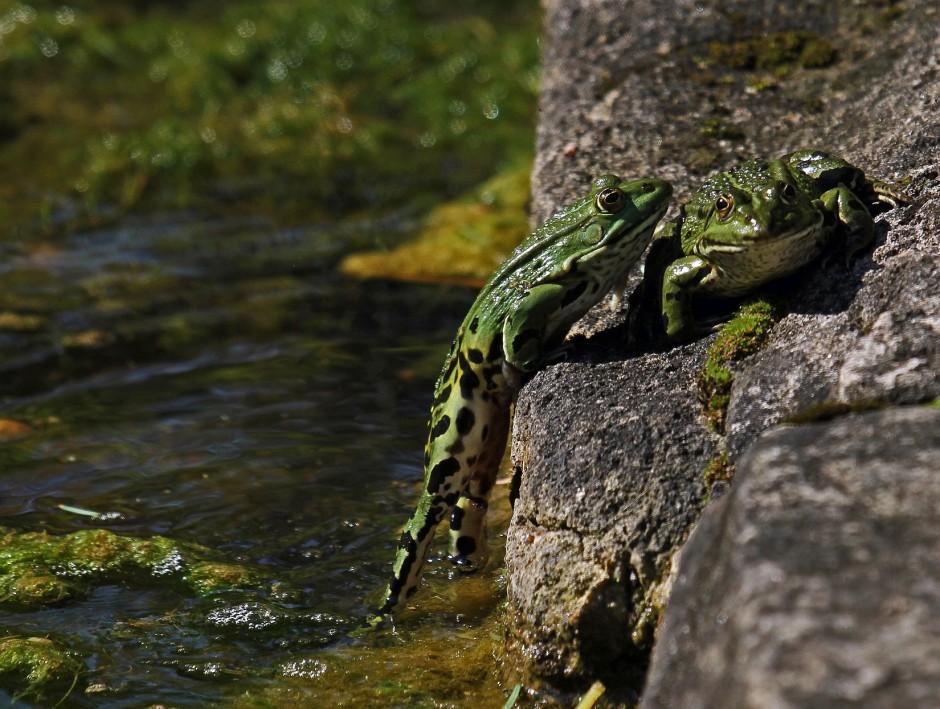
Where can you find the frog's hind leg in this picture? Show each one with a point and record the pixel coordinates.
(413, 550)
(468, 531)
(468, 518)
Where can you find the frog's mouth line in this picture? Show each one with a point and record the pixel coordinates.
(757, 240)
(648, 224)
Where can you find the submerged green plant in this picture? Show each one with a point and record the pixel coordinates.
(33, 667)
(39, 569)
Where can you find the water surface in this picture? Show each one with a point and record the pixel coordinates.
(217, 382)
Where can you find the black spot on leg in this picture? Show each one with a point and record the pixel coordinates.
(474, 355)
(444, 469)
(474, 324)
(456, 448)
(572, 294)
(440, 428)
(466, 546)
(449, 370)
(485, 433)
(442, 396)
(407, 542)
(468, 384)
(465, 420)
(519, 341)
(471, 460)
(456, 519)
(495, 352)
(489, 373)
(410, 545)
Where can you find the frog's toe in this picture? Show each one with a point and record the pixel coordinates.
(468, 554)
(373, 621)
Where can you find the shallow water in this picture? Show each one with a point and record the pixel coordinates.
(218, 383)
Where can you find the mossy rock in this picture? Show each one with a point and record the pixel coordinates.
(461, 241)
(31, 666)
(39, 569)
(743, 335)
(778, 51)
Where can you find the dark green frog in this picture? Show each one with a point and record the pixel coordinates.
(762, 220)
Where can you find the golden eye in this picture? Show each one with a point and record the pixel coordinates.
(724, 204)
(787, 191)
(610, 200)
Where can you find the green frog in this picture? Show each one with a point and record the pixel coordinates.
(516, 325)
(760, 221)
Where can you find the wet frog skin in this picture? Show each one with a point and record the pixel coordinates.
(515, 326)
(763, 220)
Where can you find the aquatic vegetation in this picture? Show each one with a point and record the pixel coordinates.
(462, 241)
(39, 569)
(37, 667)
(265, 107)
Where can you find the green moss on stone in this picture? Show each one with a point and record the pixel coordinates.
(39, 569)
(745, 334)
(29, 666)
(460, 242)
(778, 51)
(718, 470)
(208, 577)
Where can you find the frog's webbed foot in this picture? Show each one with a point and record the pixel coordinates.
(373, 622)
(888, 194)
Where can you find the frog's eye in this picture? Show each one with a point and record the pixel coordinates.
(724, 204)
(610, 200)
(787, 191)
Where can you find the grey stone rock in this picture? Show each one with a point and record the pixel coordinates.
(815, 582)
(588, 538)
(612, 444)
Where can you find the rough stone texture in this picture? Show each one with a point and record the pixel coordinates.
(815, 582)
(612, 444)
(590, 535)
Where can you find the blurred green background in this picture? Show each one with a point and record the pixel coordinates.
(300, 110)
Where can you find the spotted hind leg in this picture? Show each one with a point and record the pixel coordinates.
(468, 518)
(468, 532)
(413, 551)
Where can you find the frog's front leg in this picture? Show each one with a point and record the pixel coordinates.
(524, 332)
(847, 209)
(680, 279)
